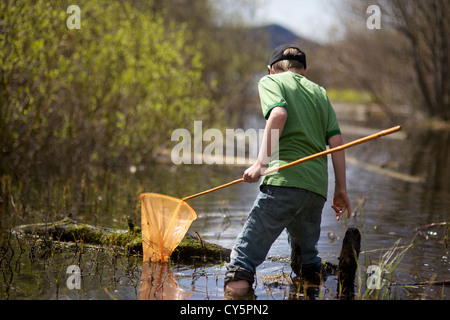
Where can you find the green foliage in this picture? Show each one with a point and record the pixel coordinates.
(349, 95)
(109, 93)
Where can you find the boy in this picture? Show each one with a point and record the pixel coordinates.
(299, 113)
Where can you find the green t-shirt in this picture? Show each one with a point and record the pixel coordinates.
(311, 121)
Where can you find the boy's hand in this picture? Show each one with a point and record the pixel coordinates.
(253, 173)
(341, 203)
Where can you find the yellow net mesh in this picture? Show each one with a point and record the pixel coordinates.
(165, 220)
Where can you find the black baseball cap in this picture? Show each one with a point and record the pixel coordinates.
(277, 54)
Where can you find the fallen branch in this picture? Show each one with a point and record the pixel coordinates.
(444, 283)
(191, 249)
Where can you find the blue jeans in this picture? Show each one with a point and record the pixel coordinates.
(277, 208)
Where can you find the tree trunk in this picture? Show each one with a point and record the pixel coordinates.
(348, 263)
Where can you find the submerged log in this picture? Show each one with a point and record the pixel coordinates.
(348, 262)
(191, 248)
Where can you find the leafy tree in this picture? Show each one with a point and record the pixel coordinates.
(109, 93)
(232, 53)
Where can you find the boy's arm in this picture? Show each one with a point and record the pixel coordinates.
(341, 203)
(274, 126)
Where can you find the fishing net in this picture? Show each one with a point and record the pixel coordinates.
(164, 220)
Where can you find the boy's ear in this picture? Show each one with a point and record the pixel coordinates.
(304, 72)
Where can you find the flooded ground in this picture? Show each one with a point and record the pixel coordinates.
(391, 208)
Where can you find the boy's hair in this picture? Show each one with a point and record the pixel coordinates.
(286, 65)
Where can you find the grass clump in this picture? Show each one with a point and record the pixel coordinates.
(379, 278)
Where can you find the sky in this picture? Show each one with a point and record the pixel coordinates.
(313, 19)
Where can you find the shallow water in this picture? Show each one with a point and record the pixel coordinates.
(393, 210)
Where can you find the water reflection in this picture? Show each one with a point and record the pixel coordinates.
(158, 283)
(418, 153)
(431, 158)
